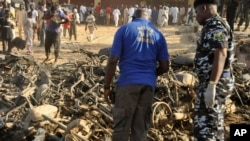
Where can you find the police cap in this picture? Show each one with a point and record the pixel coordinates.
(199, 2)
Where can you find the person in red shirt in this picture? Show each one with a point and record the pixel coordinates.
(108, 14)
(66, 26)
(97, 11)
(98, 8)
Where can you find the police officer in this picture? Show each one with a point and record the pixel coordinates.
(213, 66)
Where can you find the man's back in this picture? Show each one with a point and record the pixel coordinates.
(139, 46)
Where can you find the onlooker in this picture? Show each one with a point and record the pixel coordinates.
(231, 11)
(140, 48)
(42, 28)
(7, 31)
(53, 31)
(91, 25)
(182, 15)
(108, 14)
(83, 11)
(102, 16)
(125, 15)
(121, 20)
(131, 11)
(164, 17)
(97, 12)
(244, 17)
(21, 16)
(116, 14)
(73, 25)
(35, 18)
(175, 13)
(29, 31)
(190, 15)
(154, 16)
(66, 26)
(213, 66)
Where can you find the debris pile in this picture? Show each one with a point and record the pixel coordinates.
(65, 102)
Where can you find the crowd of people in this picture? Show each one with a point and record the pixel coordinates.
(123, 14)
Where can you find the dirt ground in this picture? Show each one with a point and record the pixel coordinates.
(103, 39)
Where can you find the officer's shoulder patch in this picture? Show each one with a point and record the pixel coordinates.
(217, 35)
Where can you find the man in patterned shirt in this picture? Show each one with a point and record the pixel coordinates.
(213, 66)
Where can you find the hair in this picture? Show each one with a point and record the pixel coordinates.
(140, 13)
(53, 8)
(198, 2)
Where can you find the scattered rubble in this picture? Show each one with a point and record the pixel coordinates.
(45, 102)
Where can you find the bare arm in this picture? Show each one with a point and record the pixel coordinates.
(110, 71)
(163, 67)
(218, 64)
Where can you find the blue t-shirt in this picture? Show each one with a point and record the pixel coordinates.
(54, 26)
(139, 45)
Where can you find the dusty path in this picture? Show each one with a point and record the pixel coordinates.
(103, 39)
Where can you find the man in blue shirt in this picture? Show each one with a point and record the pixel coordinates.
(143, 55)
(53, 30)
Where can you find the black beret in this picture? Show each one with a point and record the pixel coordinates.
(198, 2)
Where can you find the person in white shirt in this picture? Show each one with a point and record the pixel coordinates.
(90, 25)
(131, 11)
(125, 15)
(29, 32)
(34, 12)
(175, 13)
(149, 12)
(189, 17)
(160, 13)
(181, 15)
(116, 14)
(165, 16)
(34, 17)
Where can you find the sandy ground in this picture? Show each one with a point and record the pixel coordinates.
(103, 39)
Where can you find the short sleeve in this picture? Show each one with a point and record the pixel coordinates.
(116, 48)
(163, 49)
(217, 38)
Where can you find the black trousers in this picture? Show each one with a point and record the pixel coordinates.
(6, 43)
(52, 38)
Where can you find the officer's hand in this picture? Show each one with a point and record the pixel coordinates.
(107, 95)
(209, 95)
